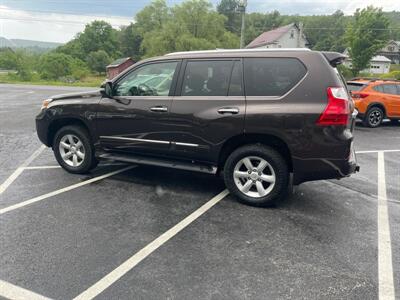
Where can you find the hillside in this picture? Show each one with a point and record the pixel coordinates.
(36, 46)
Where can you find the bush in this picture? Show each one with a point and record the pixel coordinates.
(345, 71)
(391, 75)
(98, 60)
(79, 69)
(55, 65)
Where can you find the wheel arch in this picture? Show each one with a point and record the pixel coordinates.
(56, 124)
(251, 138)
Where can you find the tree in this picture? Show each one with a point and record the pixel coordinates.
(55, 65)
(366, 34)
(192, 25)
(98, 60)
(130, 39)
(228, 8)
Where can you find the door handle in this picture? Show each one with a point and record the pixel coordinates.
(228, 110)
(159, 109)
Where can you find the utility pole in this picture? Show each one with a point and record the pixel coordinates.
(242, 8)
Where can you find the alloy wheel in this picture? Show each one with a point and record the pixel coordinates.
(254, 176)
(72, 150)
(375, 117)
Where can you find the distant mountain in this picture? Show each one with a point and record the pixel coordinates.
(36, 46)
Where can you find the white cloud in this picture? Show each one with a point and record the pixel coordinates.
(50, 27)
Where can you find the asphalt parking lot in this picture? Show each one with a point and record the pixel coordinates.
(141, 232)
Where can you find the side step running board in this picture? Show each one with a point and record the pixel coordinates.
(161, 163)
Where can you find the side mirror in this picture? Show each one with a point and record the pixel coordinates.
(107, 89)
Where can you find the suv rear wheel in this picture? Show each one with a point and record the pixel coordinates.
(74, 150)
(373, 117)
(258, 175)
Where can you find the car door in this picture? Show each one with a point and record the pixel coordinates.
(135, 118)
(391, 99)
(208, 108)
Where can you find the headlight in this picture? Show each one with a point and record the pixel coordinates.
(46, 103)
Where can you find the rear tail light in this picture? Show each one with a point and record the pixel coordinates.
(338, 109)
(359, 95)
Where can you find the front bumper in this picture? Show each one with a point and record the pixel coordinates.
(42, 125)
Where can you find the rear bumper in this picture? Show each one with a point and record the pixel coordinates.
(324, 168)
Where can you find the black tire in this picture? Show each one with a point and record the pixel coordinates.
(89, 161)
(275, 161)
(374, 117)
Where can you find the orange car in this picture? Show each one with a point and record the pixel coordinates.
(375, 99)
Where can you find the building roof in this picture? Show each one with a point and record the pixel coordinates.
(118, 62)
(380, 58)
(271, 36)
(377, 58)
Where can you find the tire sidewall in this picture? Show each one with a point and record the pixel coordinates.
(277, 163)
(87, 163)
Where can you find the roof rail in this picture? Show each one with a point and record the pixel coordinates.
(373, 79)
(238, 50)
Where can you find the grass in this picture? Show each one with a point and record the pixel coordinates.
(90, 81)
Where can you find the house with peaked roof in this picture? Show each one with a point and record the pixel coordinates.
(289, 36)
(391, 51)
(378, 64)
(118, 66)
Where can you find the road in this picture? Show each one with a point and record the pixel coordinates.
(322, 242)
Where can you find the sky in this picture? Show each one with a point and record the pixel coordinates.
(61, 20)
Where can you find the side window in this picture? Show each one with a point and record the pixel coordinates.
(389, 89)
(207, 78)
(378, 88)
(272, 76)
(150, 80)
(235, 87)
(398, 89)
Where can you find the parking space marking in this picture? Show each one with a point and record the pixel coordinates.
(377, 151)
(42, 167)
(129, 264)
(20, 169)
(385, 267)
(11, 291)
(63, 190)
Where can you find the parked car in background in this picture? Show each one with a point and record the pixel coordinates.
(253, 116)
(375, 99)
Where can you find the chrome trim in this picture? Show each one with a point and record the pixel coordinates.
(159, 108)
(186, 144)
(231, 110)
(149, 141)
(134, 140)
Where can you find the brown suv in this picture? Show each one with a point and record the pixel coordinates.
(255, 116)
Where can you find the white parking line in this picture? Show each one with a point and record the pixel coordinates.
(376, 151)
(11, 291)
(42, 167)
(385, 267)
(58, 167)
(20, 169)
(129, 264)
(63, 190)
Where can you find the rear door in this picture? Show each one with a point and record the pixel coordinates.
(392, 99)
(208, 108)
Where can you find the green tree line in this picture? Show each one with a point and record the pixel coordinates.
(196, 25)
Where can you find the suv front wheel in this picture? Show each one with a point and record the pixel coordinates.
(73, 150)
(257, 175)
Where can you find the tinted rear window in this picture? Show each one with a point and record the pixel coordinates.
(351, 86)
(272, 76)
(207, 78)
